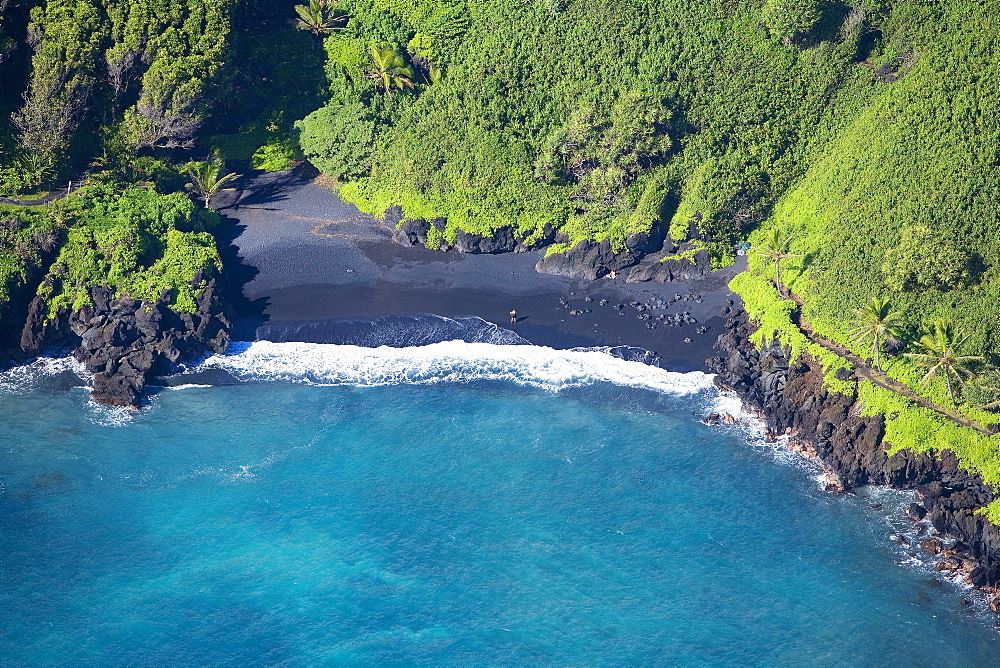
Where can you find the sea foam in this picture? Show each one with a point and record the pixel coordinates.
(446, 362)
(40, 371)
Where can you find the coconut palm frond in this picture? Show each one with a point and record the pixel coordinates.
(938, 355)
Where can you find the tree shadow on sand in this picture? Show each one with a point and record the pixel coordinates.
(259, 188)
(248, 314)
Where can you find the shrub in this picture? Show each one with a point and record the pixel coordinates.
(788, 18)
(337, 138)
(926, 259)
(275, 156)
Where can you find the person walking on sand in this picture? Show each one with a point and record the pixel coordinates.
(513, 316)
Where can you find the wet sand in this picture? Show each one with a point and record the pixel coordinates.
(304, 257)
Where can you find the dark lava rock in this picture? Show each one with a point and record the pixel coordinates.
(501, 241)
(123, 341)
(588, 260)
(414, 231)
(916, 512)
(661, 269)
(791, 397)
(411, 232)
(844, 375)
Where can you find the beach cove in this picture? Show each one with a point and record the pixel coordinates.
(562, 455)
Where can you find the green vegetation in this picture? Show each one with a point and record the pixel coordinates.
(775, 249)
(138, 93)
(877, 322)
(209, 178)
(319, 18)
(25, 237)
(137, 242)
(788, 18)
(112, 80)
(631, 115)
(937, 355)
(900, 202)
(128, 74)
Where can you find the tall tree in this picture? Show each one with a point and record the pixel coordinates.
(178, 52)
(939, 356)
(878, 323)
(776, 246)
(66, 36)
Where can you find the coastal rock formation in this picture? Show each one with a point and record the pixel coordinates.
(791, 398)
(122, 341)
(413, 232)
(588, 260)
(593, 259)
(665, 266)
(651, 256)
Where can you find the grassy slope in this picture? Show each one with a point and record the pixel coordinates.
(719, 87)
(921, 154)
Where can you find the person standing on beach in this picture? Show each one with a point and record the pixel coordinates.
(513, 316)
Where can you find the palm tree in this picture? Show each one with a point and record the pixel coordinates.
(776, 245)
(319, 18)
(208, 178)
(878, 322)
(940, 358)
(389, 67)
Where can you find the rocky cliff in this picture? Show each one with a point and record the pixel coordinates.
(123, 341)
(790, 396)
(646, 256)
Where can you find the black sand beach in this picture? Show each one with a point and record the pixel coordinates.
(311, 266)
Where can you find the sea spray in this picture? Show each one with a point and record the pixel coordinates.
(41, 371)
(447, 362)
(885, 507)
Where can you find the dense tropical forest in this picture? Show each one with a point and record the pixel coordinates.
(855, 144)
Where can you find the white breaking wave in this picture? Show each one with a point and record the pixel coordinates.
(36, 371)
(447, 362)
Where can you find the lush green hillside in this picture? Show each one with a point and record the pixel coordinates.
(601, 118)
(902, 203)
(130, 90)
(101, 81)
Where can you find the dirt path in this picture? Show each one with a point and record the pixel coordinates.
(48, 198)
(868, 372)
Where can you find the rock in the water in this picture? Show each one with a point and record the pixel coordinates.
(122, 341)
(118, 389)
(931, 546)
(916, 512)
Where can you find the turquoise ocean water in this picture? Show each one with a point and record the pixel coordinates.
(458, 504)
